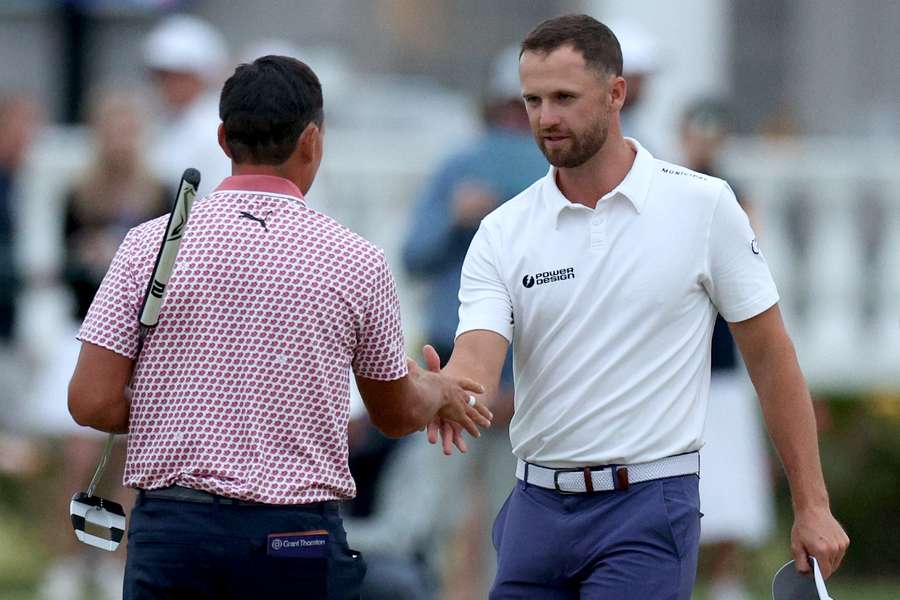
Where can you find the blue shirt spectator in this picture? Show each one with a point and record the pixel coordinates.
(502, 163)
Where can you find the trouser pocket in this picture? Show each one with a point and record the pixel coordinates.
(681, 501)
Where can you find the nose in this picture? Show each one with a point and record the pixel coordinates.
(548, 117)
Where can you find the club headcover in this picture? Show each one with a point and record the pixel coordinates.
(92, 515)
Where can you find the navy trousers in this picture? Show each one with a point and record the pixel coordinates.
(196, 551)
(619, 545)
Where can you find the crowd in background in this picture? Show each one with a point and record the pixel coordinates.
(421, 519)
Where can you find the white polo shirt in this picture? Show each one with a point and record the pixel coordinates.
(610, 311)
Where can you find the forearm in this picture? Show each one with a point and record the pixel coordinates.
(400, 407)
(787, 408)
(788, 412)
(479, 355)
(110, 415)
(467, 364)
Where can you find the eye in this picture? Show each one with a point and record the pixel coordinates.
(532, 100)
(564, 97)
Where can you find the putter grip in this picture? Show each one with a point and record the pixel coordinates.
(168, 249)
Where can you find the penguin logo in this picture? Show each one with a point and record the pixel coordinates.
(528, 281)
(754, 245)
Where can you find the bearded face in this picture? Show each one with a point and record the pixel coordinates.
(569, 148)
(569, 105)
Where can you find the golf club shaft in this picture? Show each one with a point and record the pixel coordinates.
(156, 288)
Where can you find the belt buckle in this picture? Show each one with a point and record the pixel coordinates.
(559, 490)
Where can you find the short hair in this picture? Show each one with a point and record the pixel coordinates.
(266, 105)
(596, 42)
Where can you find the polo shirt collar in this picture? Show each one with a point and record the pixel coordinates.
(263, 184)
(634, 187)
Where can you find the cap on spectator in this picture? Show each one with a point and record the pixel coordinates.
(640, 52)
(708, 116)
(186, 44)
(504, 80)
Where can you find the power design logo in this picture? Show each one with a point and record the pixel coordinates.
(548, 277)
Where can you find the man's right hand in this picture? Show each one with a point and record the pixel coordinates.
(402, 406)
(449, 429)
(455, 394)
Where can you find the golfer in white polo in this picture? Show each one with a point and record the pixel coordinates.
(606, 276)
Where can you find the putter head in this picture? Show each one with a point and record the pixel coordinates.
(97, 522)
(788, 584)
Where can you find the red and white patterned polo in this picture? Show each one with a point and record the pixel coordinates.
(242, 388)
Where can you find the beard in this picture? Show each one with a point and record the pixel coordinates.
(581, 146)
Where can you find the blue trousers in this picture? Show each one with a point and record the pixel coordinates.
(621, 545)
(196, 551)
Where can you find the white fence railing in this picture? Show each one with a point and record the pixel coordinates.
(827, 212)
(829, 222)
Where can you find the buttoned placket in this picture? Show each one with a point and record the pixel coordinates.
(599, 226)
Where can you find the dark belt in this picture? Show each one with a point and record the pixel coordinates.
(185, 494)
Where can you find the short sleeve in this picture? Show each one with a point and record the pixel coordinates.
(380, 352)
(484, 300)
(738, 281)
(112, 319)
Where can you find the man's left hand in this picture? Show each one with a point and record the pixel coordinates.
(817, 533)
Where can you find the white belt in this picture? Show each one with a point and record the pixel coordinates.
(603, 479)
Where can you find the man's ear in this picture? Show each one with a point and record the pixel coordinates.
(618, 89)
(222, 143)
(310, 143)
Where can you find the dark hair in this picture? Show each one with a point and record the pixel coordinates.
(266, 105)
(596, 42)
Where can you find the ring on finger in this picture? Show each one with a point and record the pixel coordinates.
(472, 401)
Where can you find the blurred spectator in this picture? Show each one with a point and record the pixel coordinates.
(470, 184)
(734, 461)
(187, 59)
(114, 194)
(401, 519)
(640, 61)
(19, 120)
(19, 117)
(399, 529)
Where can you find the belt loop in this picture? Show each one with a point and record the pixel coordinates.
(525, 480)
(620, 478)
(588, 481)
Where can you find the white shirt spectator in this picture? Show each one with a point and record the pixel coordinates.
(190, 139)
(610, 310)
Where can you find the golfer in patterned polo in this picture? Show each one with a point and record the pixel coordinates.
(236, 409)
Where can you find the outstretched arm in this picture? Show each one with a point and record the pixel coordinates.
(787, 408)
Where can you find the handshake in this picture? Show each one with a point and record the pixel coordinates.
(444, 403)
(460, 408)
